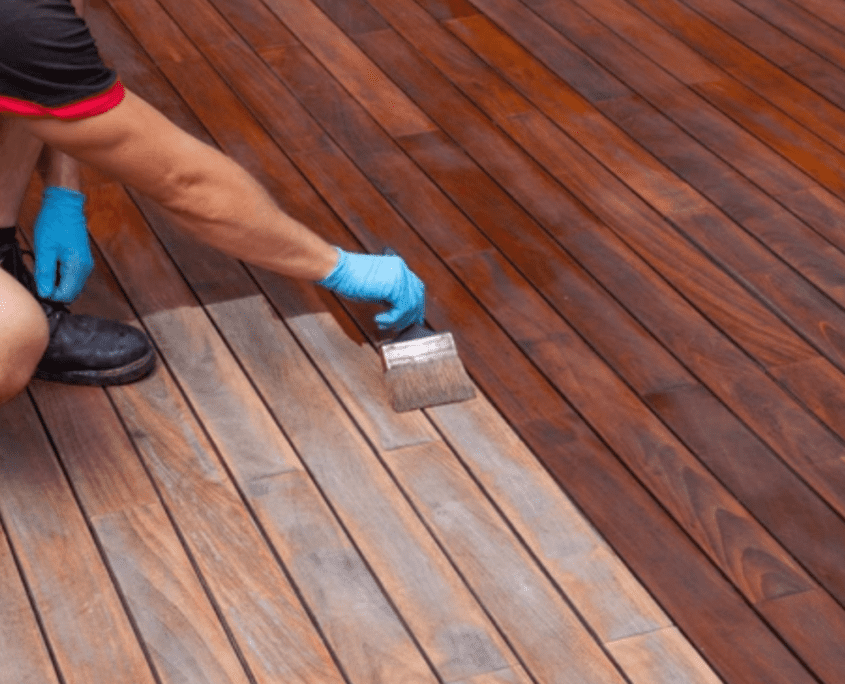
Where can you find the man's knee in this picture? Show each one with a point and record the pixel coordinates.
(24, 336)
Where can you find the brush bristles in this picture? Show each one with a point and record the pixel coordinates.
(419, 385)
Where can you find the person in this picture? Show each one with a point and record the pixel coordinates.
(59, 106)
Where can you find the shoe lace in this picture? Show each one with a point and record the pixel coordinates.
(11, 258)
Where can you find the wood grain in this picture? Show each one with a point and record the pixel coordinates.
(25, 656)
(360, 622)
(552, 527)
(662, 657)
(790, 69)
(178, 624)
(501, 573)
(627, 212)
(427, 592)
(84, 621)
(254, 594)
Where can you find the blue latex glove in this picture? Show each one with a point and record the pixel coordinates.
(386, 279)
(61, 238)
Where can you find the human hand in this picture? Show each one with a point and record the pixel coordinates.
(386, 279)
(61, 239)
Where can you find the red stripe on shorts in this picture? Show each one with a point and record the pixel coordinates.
(99, 104)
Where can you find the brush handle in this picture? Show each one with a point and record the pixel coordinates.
(415, 331)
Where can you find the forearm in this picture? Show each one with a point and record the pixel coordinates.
(224, 206)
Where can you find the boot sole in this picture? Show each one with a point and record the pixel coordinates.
(104, 377)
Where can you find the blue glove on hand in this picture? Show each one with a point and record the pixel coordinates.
(385, 279)
(61, 237)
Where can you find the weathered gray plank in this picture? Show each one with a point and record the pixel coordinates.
(359, 622)
(442, 614)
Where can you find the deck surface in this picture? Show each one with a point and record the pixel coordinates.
(630, 215)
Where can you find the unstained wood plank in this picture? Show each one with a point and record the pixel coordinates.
(662, 657)
(359, 621)
(165, 597)
(25, 657)
(80, 609)
(178, 624)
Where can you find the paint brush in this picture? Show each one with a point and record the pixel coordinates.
(422, 368)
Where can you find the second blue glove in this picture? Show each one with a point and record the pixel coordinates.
(61, 240)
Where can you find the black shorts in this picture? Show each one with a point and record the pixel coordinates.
(49, 64)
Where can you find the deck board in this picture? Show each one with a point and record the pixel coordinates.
(78, 605)
(628, 212)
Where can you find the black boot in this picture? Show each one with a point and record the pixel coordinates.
(83, 350)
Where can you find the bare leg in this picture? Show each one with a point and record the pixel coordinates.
(24, 336)
(24, 333)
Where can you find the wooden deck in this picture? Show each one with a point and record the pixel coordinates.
(630, 214)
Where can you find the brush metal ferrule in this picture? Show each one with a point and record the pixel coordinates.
(436, 347)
